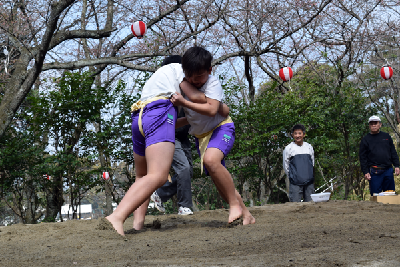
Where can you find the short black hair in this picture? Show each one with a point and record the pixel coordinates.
(172, 59)
(195, 60)
(299, 127)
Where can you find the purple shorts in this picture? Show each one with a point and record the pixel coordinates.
(222, 138)
(158, 121)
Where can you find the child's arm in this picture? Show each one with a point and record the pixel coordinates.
(209, 109)
(180, 122)
(192, 93)
(223, 110)
(197, 96)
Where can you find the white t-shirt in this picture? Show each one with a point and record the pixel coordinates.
(164, 82)
(201, 123)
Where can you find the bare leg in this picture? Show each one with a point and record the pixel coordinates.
(140, 213)
(223, 181)
(158, 159)
(247, 217)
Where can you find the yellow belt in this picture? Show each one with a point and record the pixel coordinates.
(140, 105)
(204, 139)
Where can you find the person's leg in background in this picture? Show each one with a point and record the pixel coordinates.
(295, 193)
(388, 180)
(375, 184)
(184, 171)
(168, 190)
(307, 191)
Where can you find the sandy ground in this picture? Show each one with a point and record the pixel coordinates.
(334, 233)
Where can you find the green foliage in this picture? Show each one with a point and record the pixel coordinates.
(77, 120)
(66, 115)
(83, 121)
(49, 219)
(21, 157)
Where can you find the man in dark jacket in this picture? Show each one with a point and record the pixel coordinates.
(298, 163)
(377, 156)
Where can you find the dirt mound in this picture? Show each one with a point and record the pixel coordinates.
(335, 233)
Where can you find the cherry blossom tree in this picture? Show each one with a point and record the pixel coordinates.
(43, 36)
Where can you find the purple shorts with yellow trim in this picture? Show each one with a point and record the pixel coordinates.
(158, 122)
(222, 138)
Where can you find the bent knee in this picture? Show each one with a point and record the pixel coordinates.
(139, 175)
(162, 181)
(156, 178)
(211, 163)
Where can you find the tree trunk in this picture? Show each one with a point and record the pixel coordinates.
(107, 185)
(262, 193)
(249, 77)
(54, 198)
(29, 217)
(346, 184)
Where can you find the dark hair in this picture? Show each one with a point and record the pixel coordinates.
(195, 60)
(299, 127)
(172, 59)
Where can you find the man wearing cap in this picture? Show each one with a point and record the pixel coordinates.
(377, 156)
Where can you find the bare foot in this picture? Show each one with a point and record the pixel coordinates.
(138, 225)
(235, 212)
(118, 225)
(249, 220)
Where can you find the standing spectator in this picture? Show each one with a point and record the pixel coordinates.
(298, 163)
(377, 156)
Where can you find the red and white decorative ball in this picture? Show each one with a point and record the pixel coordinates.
(286, 74)
(106, 176)
(386, 72)
(139, 29)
